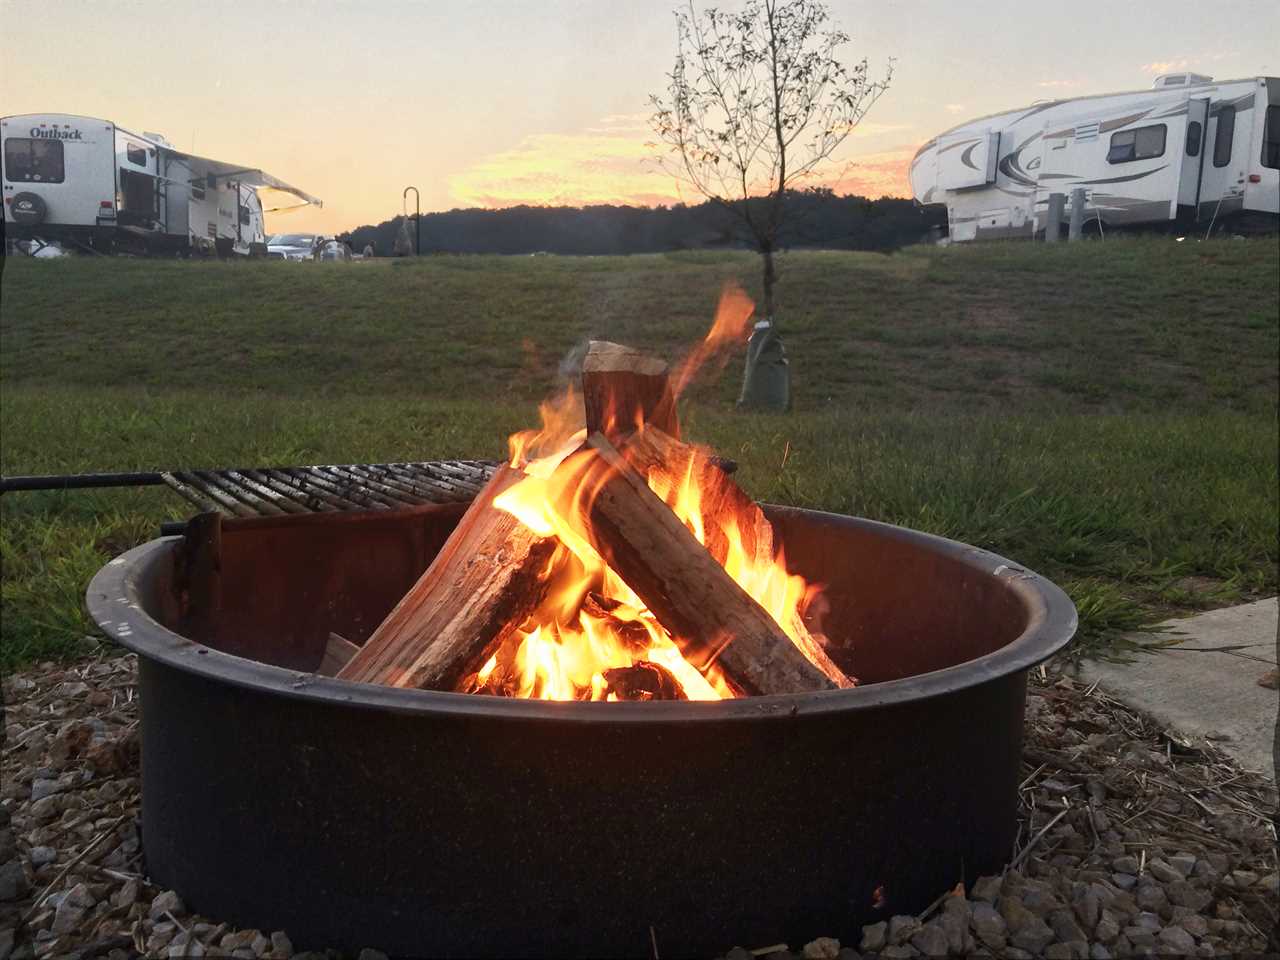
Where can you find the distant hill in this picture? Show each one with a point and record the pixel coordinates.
(816, 218)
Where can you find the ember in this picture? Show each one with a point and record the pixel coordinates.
(609, 560)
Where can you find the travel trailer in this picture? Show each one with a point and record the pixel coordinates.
(1188, 153)
(89, 183)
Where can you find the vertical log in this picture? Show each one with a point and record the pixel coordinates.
(622, 388)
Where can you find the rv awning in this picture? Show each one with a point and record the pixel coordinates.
(202, 168)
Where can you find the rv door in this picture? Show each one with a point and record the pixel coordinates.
(176, 173)
(1193, 152)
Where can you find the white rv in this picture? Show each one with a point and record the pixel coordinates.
(1189, 151)
(90, 183)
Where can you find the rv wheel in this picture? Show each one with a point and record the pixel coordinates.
(28, 209)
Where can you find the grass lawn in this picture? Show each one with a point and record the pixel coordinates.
(1103, 412)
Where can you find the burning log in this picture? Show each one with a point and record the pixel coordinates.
(653, 452)
(481, 586)
(642, 681)
(683, 586)
(622, 388)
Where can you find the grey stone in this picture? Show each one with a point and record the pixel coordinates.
(954, 921)
(1088, 908)
(989, 926)
(848, 953)
(1098, 952)
(1058, 951)
(823, 948)
(931, 940)
(1017, 953)
(1140, 936)
(237, 940)
(127, 894)
(42, 855)
(1204, 870)
(369, 954)
(260, 945)
(902, 928)
(7, 935)
(899, 951)
(1195, 925)
(13, 881)
(1151, 897)
(1125, 864)
(281, 946)
(1064, 926)
(46, 808)
(68, 917)
(1015, 914)
(1149, 920)
(167, 901)
(1039, 898)
(1034, 935)
(1162, 871)
(1183, 893)
(1107, 930)
(739, 953)
(1244, 878)
(874, 936)
(1175, 940)
(987, 888)
(1125, 881)
(46, 788)
(1184, 863)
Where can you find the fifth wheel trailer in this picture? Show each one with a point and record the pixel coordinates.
(88, 182)
(1191, 152)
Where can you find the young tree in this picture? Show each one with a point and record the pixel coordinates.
(757, 101)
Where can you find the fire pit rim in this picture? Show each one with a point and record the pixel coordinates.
(113, 595)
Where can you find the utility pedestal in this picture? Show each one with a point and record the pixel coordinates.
(766, 385)
(1053, 217)
(1076, 229)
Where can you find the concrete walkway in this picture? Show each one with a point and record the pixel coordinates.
(1208, 684)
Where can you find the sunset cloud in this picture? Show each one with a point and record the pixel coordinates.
(882, 174)
(954, 108)
(1165, 66)
(1058, 84)
(613, 162)
(606, 163)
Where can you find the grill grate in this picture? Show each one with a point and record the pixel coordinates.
(275, 491)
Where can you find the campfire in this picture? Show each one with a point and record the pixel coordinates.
(608, 559)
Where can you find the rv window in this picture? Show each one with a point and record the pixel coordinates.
(244, 216)
(33, 161)
(136, 154)
(1223, 138)
(1271, 139)
(1193, 138)
(1140, 144)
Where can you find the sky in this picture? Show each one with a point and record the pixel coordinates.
(546, 101)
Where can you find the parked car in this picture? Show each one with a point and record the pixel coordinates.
(291, 246)
(332, 249)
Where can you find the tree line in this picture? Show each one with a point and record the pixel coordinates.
(815, 218)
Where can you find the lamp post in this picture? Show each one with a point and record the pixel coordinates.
(417, 218)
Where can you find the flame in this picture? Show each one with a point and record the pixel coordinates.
(591, 629)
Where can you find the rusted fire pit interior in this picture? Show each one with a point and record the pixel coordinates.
(427, 823)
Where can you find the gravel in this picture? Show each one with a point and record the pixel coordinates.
(1165, 848)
